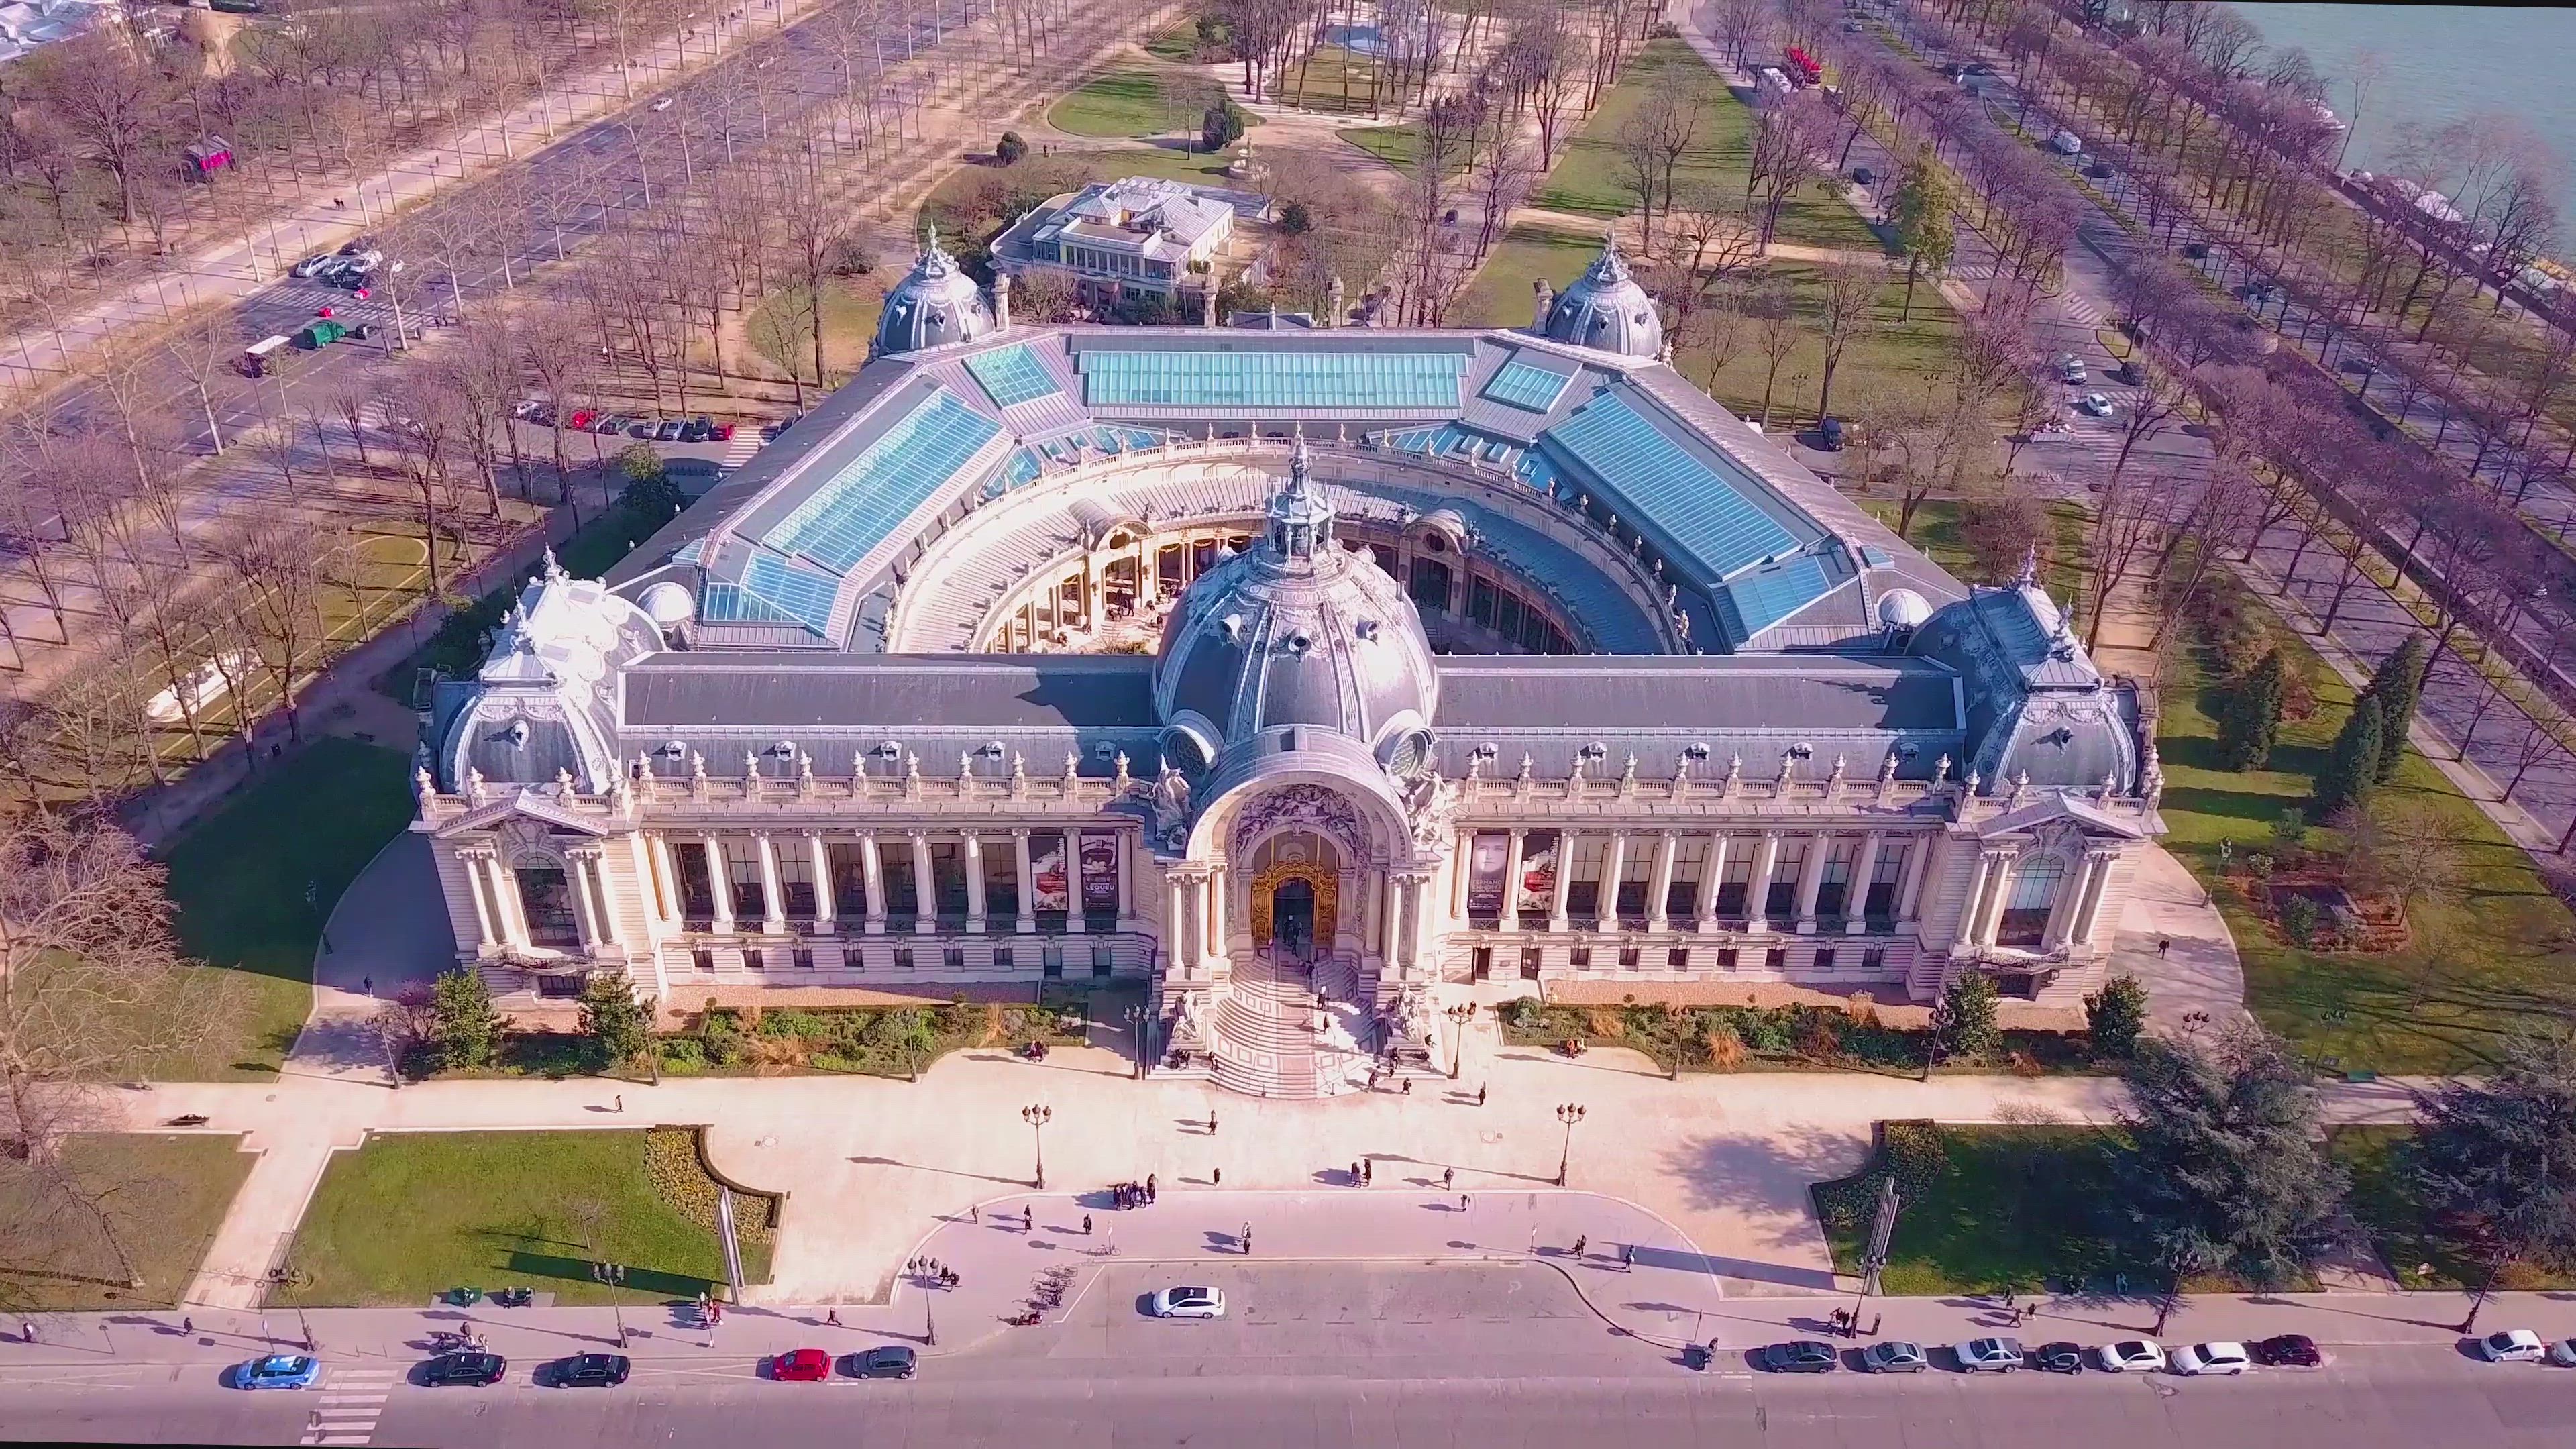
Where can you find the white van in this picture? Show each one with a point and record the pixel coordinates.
(2066, 143)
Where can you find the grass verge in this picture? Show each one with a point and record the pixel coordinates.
(409, 1215)
(2416, 1255)
(1985, 1209)
(165, 1194)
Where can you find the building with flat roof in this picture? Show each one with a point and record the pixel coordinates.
(1141, 233)
(1269, 666)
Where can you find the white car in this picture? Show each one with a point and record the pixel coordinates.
(1989, 1355)
(1189, 1303)
(2070, 370)
(2513, 1345)
(2214, 1358)
(663, 104)
(2094, 405)
(2133, 1356)
(2563, 1353)
(2066, 143)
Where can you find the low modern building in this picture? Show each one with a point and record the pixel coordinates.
(1257, 664)
(1140, 234)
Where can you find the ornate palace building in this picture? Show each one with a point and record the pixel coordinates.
(1310, 676)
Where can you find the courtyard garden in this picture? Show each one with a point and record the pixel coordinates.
(1985, 1210)
(406, 1216)
(163, 1196)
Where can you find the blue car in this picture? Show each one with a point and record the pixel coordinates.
(278, 1371)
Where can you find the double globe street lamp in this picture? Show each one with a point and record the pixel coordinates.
(1037, 1116)
(1568, 1113)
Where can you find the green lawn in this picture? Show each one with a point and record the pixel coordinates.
(1591, 178)
(1179, 44)
(411, 1214)
(1334, 81)
(1985, 1209)
(2064, 565)
(254, 883)
(1130, 103)
(165, 1194)
(2475, 968)
(778, 329)
(1500, 295)
(2381, 1200)
(1889, 354)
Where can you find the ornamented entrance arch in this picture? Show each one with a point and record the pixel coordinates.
(1302, 857)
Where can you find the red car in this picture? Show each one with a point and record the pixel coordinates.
(801, 1366)
(721, 432)
(581, 419)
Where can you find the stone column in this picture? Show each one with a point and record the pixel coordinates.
(1704, 910)
(925, 906)
(1614, 864)
(485, 936)
(1388, 917)
(1176, 931)
(1909, 885)
(1990, 911)
(1757, 886)
(1028, 918)
(1974, 904)
(1811, 874)
(1556, 918)
(1126, 880)
(666, 878)
(1509, 918)
(1864, 872)
(773, 897)
(973, 855)
(2089, 916)
(606, 889)
(1461, 864)
(719, 884)
(826, 910)
(1659, 887)
(872, 876)
(1213, 890)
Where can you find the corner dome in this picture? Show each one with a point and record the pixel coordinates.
(668, 604)
(934, 305)
(1606, 310)
(1903, 609)
(1296, 631)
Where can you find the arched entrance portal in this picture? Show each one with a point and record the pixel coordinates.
(1295, 888)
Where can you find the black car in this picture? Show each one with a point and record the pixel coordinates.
(890, 1361)
(1801, 1356)
(2099, 171)
(2197, 251)
(2060, 1357)
(1863, 175)
(2289, 1350)
(472, 1369)
(591, 1371)
(1829, 435)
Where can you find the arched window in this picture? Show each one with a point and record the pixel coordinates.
(545, 895)
(2033, 894)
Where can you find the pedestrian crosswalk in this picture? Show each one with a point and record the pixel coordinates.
(739, 448)
(349, 1401)
(2083, 310)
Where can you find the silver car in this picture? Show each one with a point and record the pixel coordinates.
(1186, 1302)
(1989, 1355)
(1895, 1356)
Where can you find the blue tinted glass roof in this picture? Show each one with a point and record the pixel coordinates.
(1011, 375)
(1658, 480)
(1770, 594)
(1424, 381)
(1023, 467)
(854, 510)
(806, 594)
(724, 603)
(1527, 385)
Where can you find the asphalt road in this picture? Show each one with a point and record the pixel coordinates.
(1336, 1355)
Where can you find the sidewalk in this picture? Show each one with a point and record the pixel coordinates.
(230, 271)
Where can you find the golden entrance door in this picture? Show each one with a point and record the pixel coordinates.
(1324, 883)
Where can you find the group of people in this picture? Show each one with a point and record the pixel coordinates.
(1132, 1194)
(933, 1271)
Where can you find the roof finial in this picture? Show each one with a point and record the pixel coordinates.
(2029, 567)
(554, 569)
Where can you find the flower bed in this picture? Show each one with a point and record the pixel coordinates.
(1753, 1038)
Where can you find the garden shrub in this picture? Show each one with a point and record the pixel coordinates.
(681, 1179)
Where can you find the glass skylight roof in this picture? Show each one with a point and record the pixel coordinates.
(853, 511)
(1527, 385)
(1657, 479)
(804, 593)
(1011, 375)
(1768, 595)
(1263, 378)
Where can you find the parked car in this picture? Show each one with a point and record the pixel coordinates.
(2070, 370)
(1989, 1355)
(1189, 1302)
(2221, 1357)
(2561, 1353)
(2066, 143)
(310, 266)
(887, 1361)
(1894, 1356)
(2097, 170)
(669, 431)
(580, 419)
(613, 423)
(721, 432)
(801, 1366)
(641, 428)
(2513, 1345)
(769, 431)
(1864, 176)
(1830, 434)
(2061, 1357)
(524, 409)
(474, 1370)
(2196, 251)
(278, 1371)
(694, 430)
(591, 1371)
(663, 104)
(2094, 405)
(2133, 1356)
(1801, 1356)
(2289, 1350)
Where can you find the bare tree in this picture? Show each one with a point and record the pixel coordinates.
(1777, 332)
(277, 563)
(1848, 294)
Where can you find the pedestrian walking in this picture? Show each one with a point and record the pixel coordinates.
(1448, 1178)
(975, 1214)
(1462, 1202)
(1368, 1171)
(1627, 1255)
(1149, 1187)
(1581, 1241)
(1029, 1218)
(1355, 1173)
(367, 984)
(1211, 1121)
(1480, 1095)
(1247, 1240)
(187, 1326)
(2011, 1296)
(1086, 1225)
(2163, 944)
(832, 1319)
(621, 1101)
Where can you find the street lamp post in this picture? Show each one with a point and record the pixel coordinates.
(1037, 1116)
(1568, 1113)
(1460, 1017)
(1134, 1016)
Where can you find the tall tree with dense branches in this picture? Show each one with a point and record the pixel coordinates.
(2494, 1162)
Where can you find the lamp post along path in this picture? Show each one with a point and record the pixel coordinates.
(1568, 1113)
(1037, 1116)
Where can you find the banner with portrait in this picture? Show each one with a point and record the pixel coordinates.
(1048, 880)
(1538, 872)
(1100, 873)
(1487, 860)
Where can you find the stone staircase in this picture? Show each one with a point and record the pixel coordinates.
(1264, 1031)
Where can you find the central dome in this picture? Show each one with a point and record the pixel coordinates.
(1607, 310)
(935, 304)
(1296, 630)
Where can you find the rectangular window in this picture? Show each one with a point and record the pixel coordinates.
(752, 960)
(1874, 959)
(1884, 874)
(1480, 600)
(948, 881)
(1529, 963)
(1781, 901)
(1051, 962)
(849, 882)
(1834, 886)
(1537, 885)
(1580, 958)
(1103, 960)
(796, 877)
(2032, 896)
(545, 897)
(1678, 958)
(1825, 959)
(1776, 959)
(1535, 631)
(1728, 958)
(1099, 865)
(1385, 558)
(953, 957)
(1509, 617)
(1629, 958)
(1001, 880)
(703, 959)
(903, 958)
(1001, 958)
(1690, 862)
(697, 899)
(1583, 892)
(1050, 878)
(902, 890)
(1483, 959)
(1731, 885)
(742, 867)
(1636, 878)
(804, 959)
